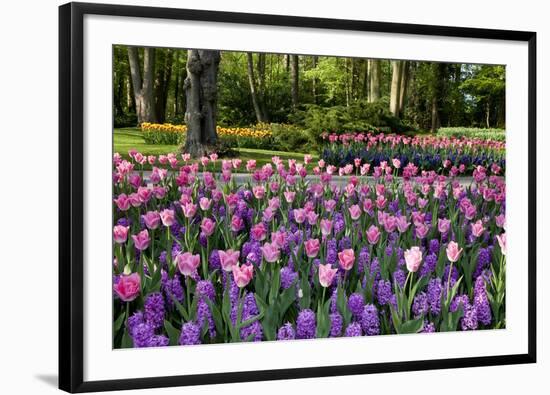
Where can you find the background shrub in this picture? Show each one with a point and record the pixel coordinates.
(492, 134)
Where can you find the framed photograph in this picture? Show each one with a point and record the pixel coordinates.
(258, 197)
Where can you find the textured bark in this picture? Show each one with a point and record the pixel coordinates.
(395, 87)
(403, 87)
(162, 82)
(374, 88)
(201, 97)
(143, 85)
(295, 79)
(253, 89)
(437, 88)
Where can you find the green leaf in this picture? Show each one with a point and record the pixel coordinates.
(411, 326)
(119, 321)
(127, 341)
(173, 333)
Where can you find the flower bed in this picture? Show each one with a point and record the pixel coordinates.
(199, 259)
(441, 154)
(167, 133)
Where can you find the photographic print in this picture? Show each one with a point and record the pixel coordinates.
(281, 197)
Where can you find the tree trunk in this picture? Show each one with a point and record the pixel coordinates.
(435, 115)
(295, 79)
(253, 90)
(201, 93)
(488, 114)
(143, 86)
(404, 83)
(374, 89)
(437, 90)
(261, 87)
(162, 82)
(395, 87)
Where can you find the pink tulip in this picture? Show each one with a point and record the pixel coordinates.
(228, 259)
(330, 205)
(258, 191)
(187, 263)
(326, 275)
(453, 252)
(477, 228)
(501, 221)
(402, 224)
(312, 217)
(278, 238)
(151, 219)
(251, 165)
(396, 163)
(120, 234)
(242, 275)
(326, 227)
(258, 231)
(354, 212)
(299, 215)
(128, 287)
(208, 226)
(189, 210)
(237, 223)
(312, 247)
(167, 217)
(205, 203)
(346, 259)
(271, 252)
(373, 234)
(141, 240)
(413, 259)
(289, 196)
(122, 202)
(133, 198)
(443, 225)
(502, 242)
(422, 230)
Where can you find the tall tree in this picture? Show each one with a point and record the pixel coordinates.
(143, 85)
(438, 70)
(403, 88)
(295, 79)
(201, 94)
(162, 82)
(395, 87)
(253, 88)
(374, 77)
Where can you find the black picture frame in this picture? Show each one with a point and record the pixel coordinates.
(71, 224)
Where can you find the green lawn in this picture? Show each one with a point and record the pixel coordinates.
(126, 139)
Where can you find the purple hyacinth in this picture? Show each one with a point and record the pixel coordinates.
(428, 327)
(287, 277)
(332, 252)
(433, 246)
(214, 260)
(356, 303)
(483, 261)
(286, 332)
(252, 332)
(353, 330)
(434, 295)
(481, 302)
(134, 320)
(172, 290)
(469, 317)
(204, 288)
(336, 324)
(420, 304)
(154, 310)
(190, 334)
(141, 334)
(158, 341)
(430, 263)
(344, 243)
(399, 277)
(384, 292)
(204, 316)
(370, 322)
(364, 257)
(306, 326)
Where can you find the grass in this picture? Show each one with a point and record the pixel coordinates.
(126, 139)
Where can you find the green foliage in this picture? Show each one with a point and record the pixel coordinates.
(164, 138)
(492, 134)
(125, 120)
(290, 138)
(358, 117)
